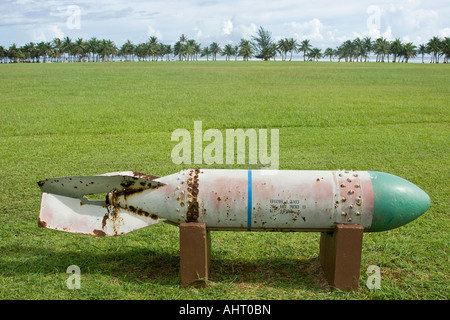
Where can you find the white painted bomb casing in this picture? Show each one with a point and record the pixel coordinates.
(288, 200)
(249, 200)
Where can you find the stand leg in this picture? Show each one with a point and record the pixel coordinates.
(194, 254)
(340, 256)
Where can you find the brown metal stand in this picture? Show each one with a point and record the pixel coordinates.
(194, 254)
(340, 256)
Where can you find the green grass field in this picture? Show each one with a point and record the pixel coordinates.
(87, 119)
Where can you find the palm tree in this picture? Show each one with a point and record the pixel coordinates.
(409, 51)
(67, 47)
(215, 49)
(179, 48)
(13, 53)
(434, 46)
(189, 49)
(106, 50)
(378, 49)
(422, 50)
(228, 51)
(192, 48)
(102, 49)
(30, 52)
(236, 52)
(381, 48)
(57, 44)
(446, 49)
(282, 47)
(286, 45)
(291, 46)
(182, 38)
(127, 50)
(305, 47)
(315, 54)
(347, 50)
(245, 49)
(359, 49)
(141, 51)
(80, 49)
(52, 52)
(165, 50)
(368, 47)
(396, 48)
(94, 48)
(197, 50)
(152, 47)
(3, 54)
(264, 46)
(44, 50)
(329, 52)
(206, 52)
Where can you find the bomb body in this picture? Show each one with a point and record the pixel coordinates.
(247, 200)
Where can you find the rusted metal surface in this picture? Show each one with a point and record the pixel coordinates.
(284, 201)
(192, 192)
(144, 176)
(355, 202)
(68, 214)
(65, 208)
(79, 186)
(222, 199)
(255, 200)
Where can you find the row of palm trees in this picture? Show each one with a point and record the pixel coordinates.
(359, 49)
(260, 46)
(61, 50)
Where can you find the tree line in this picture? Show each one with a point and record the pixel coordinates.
(260, 46)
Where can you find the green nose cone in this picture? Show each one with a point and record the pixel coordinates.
(396, 201)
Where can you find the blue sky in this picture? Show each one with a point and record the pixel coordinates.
(326, 23)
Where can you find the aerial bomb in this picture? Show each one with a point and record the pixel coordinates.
(233, 200)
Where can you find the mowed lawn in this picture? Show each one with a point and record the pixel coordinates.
(87, 119)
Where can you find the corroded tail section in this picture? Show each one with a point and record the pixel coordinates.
(64, 206)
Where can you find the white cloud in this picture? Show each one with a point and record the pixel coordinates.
(155, 33)
(46, 33)
(247, 31)
(372, 33)
(311, 30)
(388, 34)
(199, 33)
(227, 27)
(444, 32)
(324, 22)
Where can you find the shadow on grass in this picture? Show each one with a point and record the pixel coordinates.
(160, 267)
(275, 272)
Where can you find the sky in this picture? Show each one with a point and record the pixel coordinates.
(326, 23)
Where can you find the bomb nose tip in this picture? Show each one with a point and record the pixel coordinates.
(396, 201)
